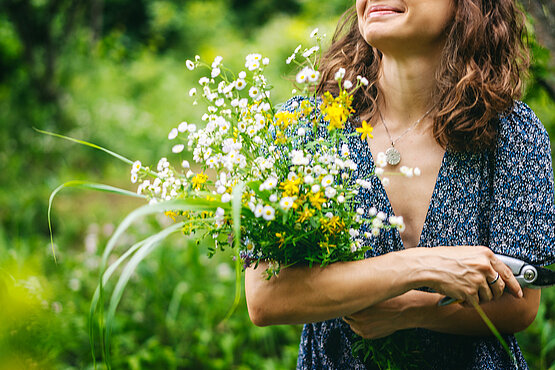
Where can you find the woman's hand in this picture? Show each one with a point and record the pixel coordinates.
(471, 275)
(384, 318)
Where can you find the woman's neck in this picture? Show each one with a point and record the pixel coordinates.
(406, 87)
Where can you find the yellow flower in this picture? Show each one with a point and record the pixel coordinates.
(281, 239)
(305, 215)
(285, 119)
(327, 246)
(332, 225)
(291, 187)
(365, 130)
(198, 180)
(317, 200)
(171, 214)
(336, 110)
(280, 138)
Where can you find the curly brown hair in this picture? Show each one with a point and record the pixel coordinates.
(478, 78)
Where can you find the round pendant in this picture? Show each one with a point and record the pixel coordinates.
(393, 156)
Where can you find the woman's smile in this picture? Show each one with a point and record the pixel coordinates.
(376, 11)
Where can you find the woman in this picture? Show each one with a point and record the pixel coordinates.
(443, 78)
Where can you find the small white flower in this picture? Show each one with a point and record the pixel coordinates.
(377, 223)
(354, 233)
(327, 181)
(193, 92)
(315, 188)
(242, 75)
(217, 61)
(268, 213)
(330, 192)
(301, 131)
(286, 203)
(417, 171)
(134, 177)
(313, 76)
(178, 148)
(360, 211)
(385, 181)
(373, 211)
(340, 199)
(258, 210)
(204, 81)
(269, 184)
(215, 72)
(379, 171)
(240, 84)
(381, 215)
(190, 65)
(185, 164)
(226, 197)
(302, 76)
(173, 134)
(364, 81)
(340, 74)
(375, 232)
(290, 59)
(273, 198)
(252, 65)
(266, 61)
(254, 92)
(308, 179)
(347, 84)
(136, 167)
(314, 33)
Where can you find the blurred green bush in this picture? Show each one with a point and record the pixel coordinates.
(112, 72)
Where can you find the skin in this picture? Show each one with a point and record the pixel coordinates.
(376, 296)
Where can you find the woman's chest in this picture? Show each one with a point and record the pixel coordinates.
(410, 196)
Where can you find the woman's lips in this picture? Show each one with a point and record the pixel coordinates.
(380, 10)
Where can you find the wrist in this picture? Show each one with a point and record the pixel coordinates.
(416, 264)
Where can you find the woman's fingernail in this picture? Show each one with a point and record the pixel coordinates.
(520, 295)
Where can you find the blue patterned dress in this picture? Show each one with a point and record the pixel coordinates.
(503, 199)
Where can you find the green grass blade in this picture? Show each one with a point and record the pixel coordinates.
(190, 204)
(82, 185)
(148, 246)
(495, 332)
(86, 143)
(236, 207)
(96, 297)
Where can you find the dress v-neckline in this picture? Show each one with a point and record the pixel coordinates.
(381, 188)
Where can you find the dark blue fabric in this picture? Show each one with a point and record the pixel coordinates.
(502, 199)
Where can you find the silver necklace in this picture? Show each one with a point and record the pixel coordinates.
(392, 155)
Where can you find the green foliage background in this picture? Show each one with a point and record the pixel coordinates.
(112, 72)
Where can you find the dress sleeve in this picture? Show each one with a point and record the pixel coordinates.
(522, 223)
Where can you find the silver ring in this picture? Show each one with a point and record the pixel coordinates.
(494, 280)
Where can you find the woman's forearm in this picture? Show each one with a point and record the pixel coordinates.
(302, 294)
(508, 314)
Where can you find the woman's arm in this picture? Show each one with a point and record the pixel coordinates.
(302, 294)
(417, 309)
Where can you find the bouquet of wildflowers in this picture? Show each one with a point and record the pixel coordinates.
(274, 184)
(293, 168)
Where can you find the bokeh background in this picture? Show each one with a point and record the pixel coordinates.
(113, 72)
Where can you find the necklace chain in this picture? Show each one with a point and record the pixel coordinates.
(393, 156)
(406, 131)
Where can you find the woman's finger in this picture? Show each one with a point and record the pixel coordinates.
(507, 276)
(497, 286)
(485, 293)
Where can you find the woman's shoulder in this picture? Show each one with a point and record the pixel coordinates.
(520, 124)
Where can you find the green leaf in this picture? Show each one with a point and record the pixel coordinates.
(82, 185)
